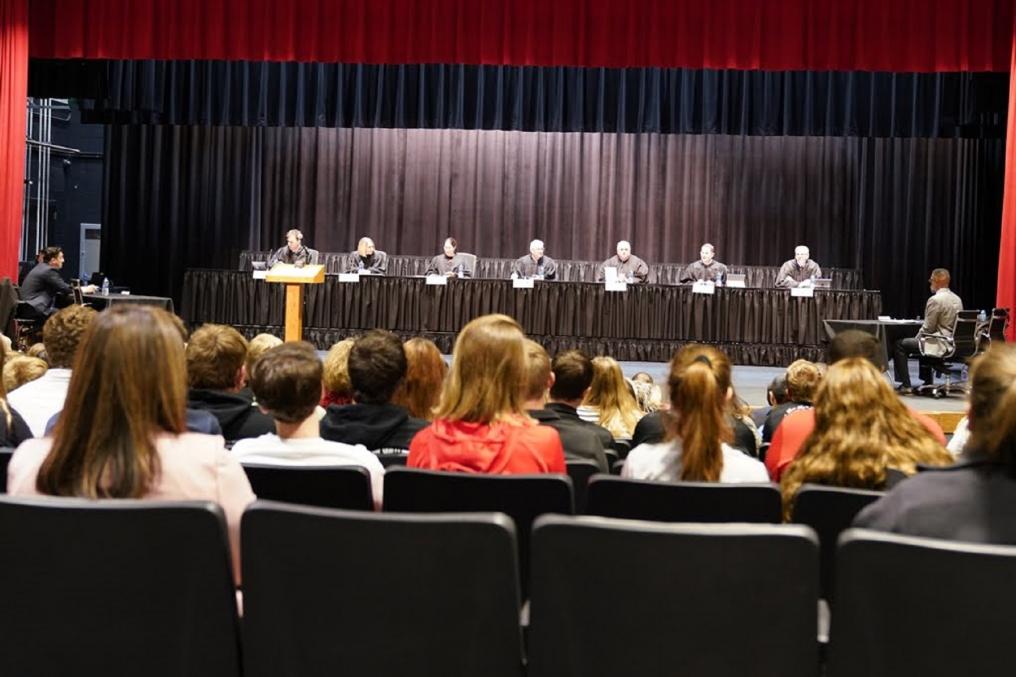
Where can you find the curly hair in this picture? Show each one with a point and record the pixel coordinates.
(862, 429)
(63, 332)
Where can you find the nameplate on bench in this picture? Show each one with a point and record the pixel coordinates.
(703, 287)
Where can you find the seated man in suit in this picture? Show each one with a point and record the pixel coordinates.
(706, 268)
(579, 442)
(44, 288)
(451, 263)
(799, 271)
(535, 264)
(294, 252)
(366, 259)
(940, 313)
(629, 267)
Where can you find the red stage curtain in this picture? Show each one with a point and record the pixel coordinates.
(13, 93)
(1006, 295)
(882, 35)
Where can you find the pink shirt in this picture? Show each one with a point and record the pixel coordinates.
(194, 467)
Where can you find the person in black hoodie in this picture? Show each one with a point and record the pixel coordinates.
(217, 379)
(377, 364)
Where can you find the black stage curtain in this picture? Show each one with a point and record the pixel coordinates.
(529, 98)
(181, 197)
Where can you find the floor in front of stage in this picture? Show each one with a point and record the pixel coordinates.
(751, 383)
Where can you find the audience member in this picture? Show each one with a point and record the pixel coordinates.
(481, 424)
(336, 388)
(13, 429)
(698, 430)
(122, 435)
(975, 499)
(776, 393)
(38, 350)
(803, 378)
(579, 443)
(573, 375)
(862, 433)
(20, 369)
(420, 390)
(647, 396)
(286, 381)
(258, 346)
(377, 365)
(38, 400)
(215, 370)
(609, 402)
(798, 425)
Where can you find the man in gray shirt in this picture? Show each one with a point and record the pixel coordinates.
(798, 271)
(535, 264)
(630, 268)
(706, 268)
(940, 314)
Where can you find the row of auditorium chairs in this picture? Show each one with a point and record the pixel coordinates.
(145, 588)
(828, 510)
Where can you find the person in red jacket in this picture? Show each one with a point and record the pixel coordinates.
(480, 424)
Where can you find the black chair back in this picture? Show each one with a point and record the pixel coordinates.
(894, 595)
(614, 597)
(346, 487)
(580, 472)
(829, 511)
(521, 497)
(116, 588)
(5, 460)
(683, 501)
(393, 460)
(965, 338)
(330, 592)
(997, 324)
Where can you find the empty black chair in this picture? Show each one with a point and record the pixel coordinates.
(330, 592)
(621, 447)
(683, 501)
(345, 487)
(116, 588)
(5, 460)
(895, 595)
(521, 497)
(580, 472)
(393, 460)
(829, 511)
(616, 597)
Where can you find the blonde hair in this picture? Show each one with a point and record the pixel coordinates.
(862, 429)
(488, 373)
(336, 369)
(699, 381)
(258, 346)
(803, 378)
(618, 411)
(20, 369)
(993, 404)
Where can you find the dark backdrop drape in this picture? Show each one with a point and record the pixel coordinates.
(893, 207)
(439, 96)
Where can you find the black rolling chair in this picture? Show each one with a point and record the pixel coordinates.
(895, 594)
(617, 597)
(830, 511)
(521, 497)
(580, 473)
(5, 460)
(610, 496)
(116, 588)
(330, 592)
(346, 487)
(997, 325)
(948, 357)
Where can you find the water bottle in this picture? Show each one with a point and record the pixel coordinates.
(539, 271)
(719, 279)
(359, 266)
(982, 317)
(105, 287)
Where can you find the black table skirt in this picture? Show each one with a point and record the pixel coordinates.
(568, 271)
(648, 322)
(100, 302)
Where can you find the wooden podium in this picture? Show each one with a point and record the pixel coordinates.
(295, 278)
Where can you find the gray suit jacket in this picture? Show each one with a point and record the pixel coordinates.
(940, 313)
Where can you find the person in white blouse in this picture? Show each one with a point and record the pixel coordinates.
(696, 448)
